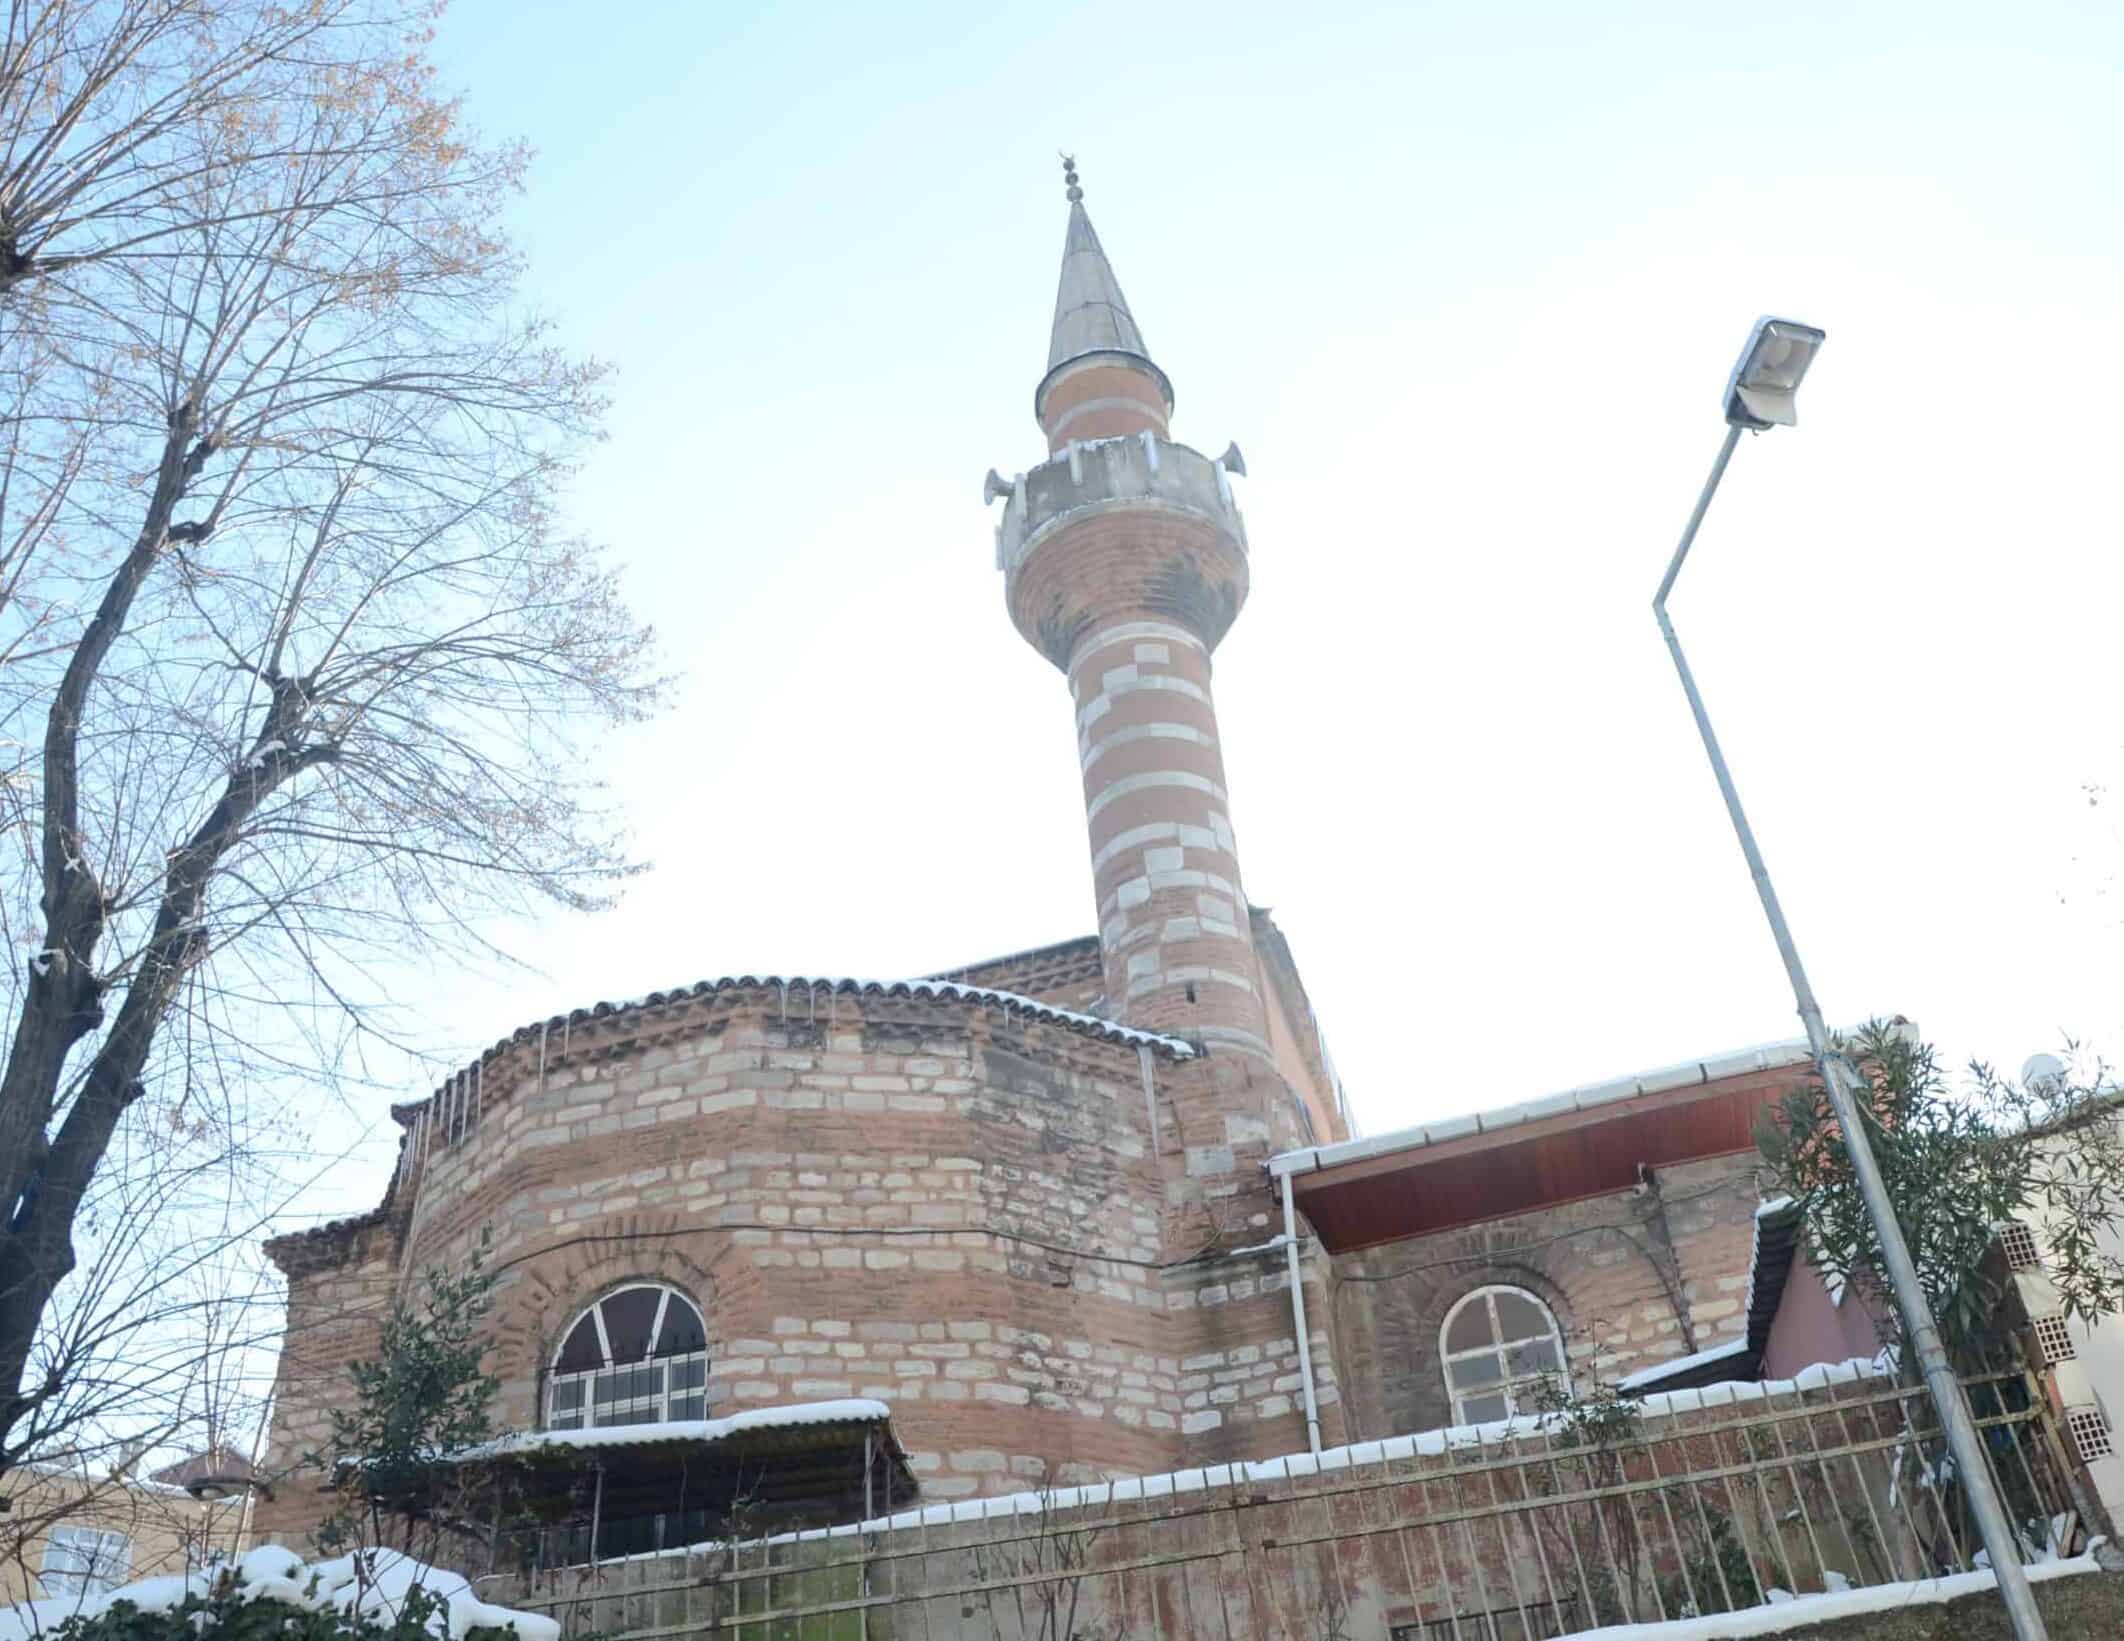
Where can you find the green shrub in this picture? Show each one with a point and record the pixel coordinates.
(227, 1611)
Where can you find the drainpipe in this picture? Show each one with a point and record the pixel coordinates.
(1305, 1345)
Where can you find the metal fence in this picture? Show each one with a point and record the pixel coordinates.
(1605, 1514)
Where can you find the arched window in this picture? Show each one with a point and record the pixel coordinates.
(1498, 1344)
(637, 1356)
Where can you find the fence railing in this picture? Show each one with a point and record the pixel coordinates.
(1704, 1502)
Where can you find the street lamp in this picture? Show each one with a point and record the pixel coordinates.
(1759, 395)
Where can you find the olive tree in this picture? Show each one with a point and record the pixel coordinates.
(1958, 1162)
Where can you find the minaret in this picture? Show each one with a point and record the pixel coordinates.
(1124, 562)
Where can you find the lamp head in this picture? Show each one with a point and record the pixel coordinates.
(1765, 382)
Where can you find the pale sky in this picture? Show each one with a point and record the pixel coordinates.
(1464, 282)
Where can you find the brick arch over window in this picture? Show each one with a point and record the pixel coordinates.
(639, 1355)
(1400, 1329)
(1500, 1349)
(545, 1291)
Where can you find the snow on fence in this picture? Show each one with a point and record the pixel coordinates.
(1607, 1513)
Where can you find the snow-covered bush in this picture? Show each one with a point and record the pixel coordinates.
(272, 1595)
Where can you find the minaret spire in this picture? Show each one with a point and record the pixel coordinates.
(1093, 338)
(1091, 314)
(1124, 562)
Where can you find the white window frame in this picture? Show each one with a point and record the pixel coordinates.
(662, 1401)
(84, 1561)
(1499, 1347)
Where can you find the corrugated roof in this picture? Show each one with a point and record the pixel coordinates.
(691, 1432)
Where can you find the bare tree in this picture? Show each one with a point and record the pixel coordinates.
(296, 656)
(161, 1347)
(100, 111)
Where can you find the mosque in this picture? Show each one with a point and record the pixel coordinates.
(1086, 1211)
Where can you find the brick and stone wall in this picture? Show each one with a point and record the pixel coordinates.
(1016, 1232)
(1071, 974)
(1634, 1278)
(1165, 865)
(340, 1286)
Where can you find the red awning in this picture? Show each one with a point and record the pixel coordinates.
(1540, 1163)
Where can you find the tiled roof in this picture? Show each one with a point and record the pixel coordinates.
(1009, 1002)
(810, 987)
(951, 991)
(1040, 972)
(333, 1229)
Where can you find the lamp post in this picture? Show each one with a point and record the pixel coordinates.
(1759, 395)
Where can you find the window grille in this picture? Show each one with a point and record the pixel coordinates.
(2055, 1339)
(1499, 1346)
(2090, 1433)
(84, 1561)
(637, 1356)
(2018, 1243)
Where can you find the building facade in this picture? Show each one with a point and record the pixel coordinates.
(1036, 1210)
(72, 1534)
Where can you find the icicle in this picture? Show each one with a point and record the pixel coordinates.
(543, 1027)
(423, 1139)
(1150, 1098)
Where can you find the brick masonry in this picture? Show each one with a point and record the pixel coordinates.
(979, 1217)
(1633, 1278)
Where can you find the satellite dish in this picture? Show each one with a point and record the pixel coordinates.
(2042, 1073)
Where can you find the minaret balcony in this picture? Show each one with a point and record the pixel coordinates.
(1129, 470)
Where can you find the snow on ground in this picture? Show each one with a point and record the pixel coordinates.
(345, 1584)
(1794, 1611)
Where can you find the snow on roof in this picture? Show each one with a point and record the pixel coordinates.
(1682, 1074)
(368, 1584)
(1009, 1002)
(1758, 1311)
(854, 1410)
(1675, 1365)
(81, 1476)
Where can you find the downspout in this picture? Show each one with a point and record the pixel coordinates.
(1305, 1344)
